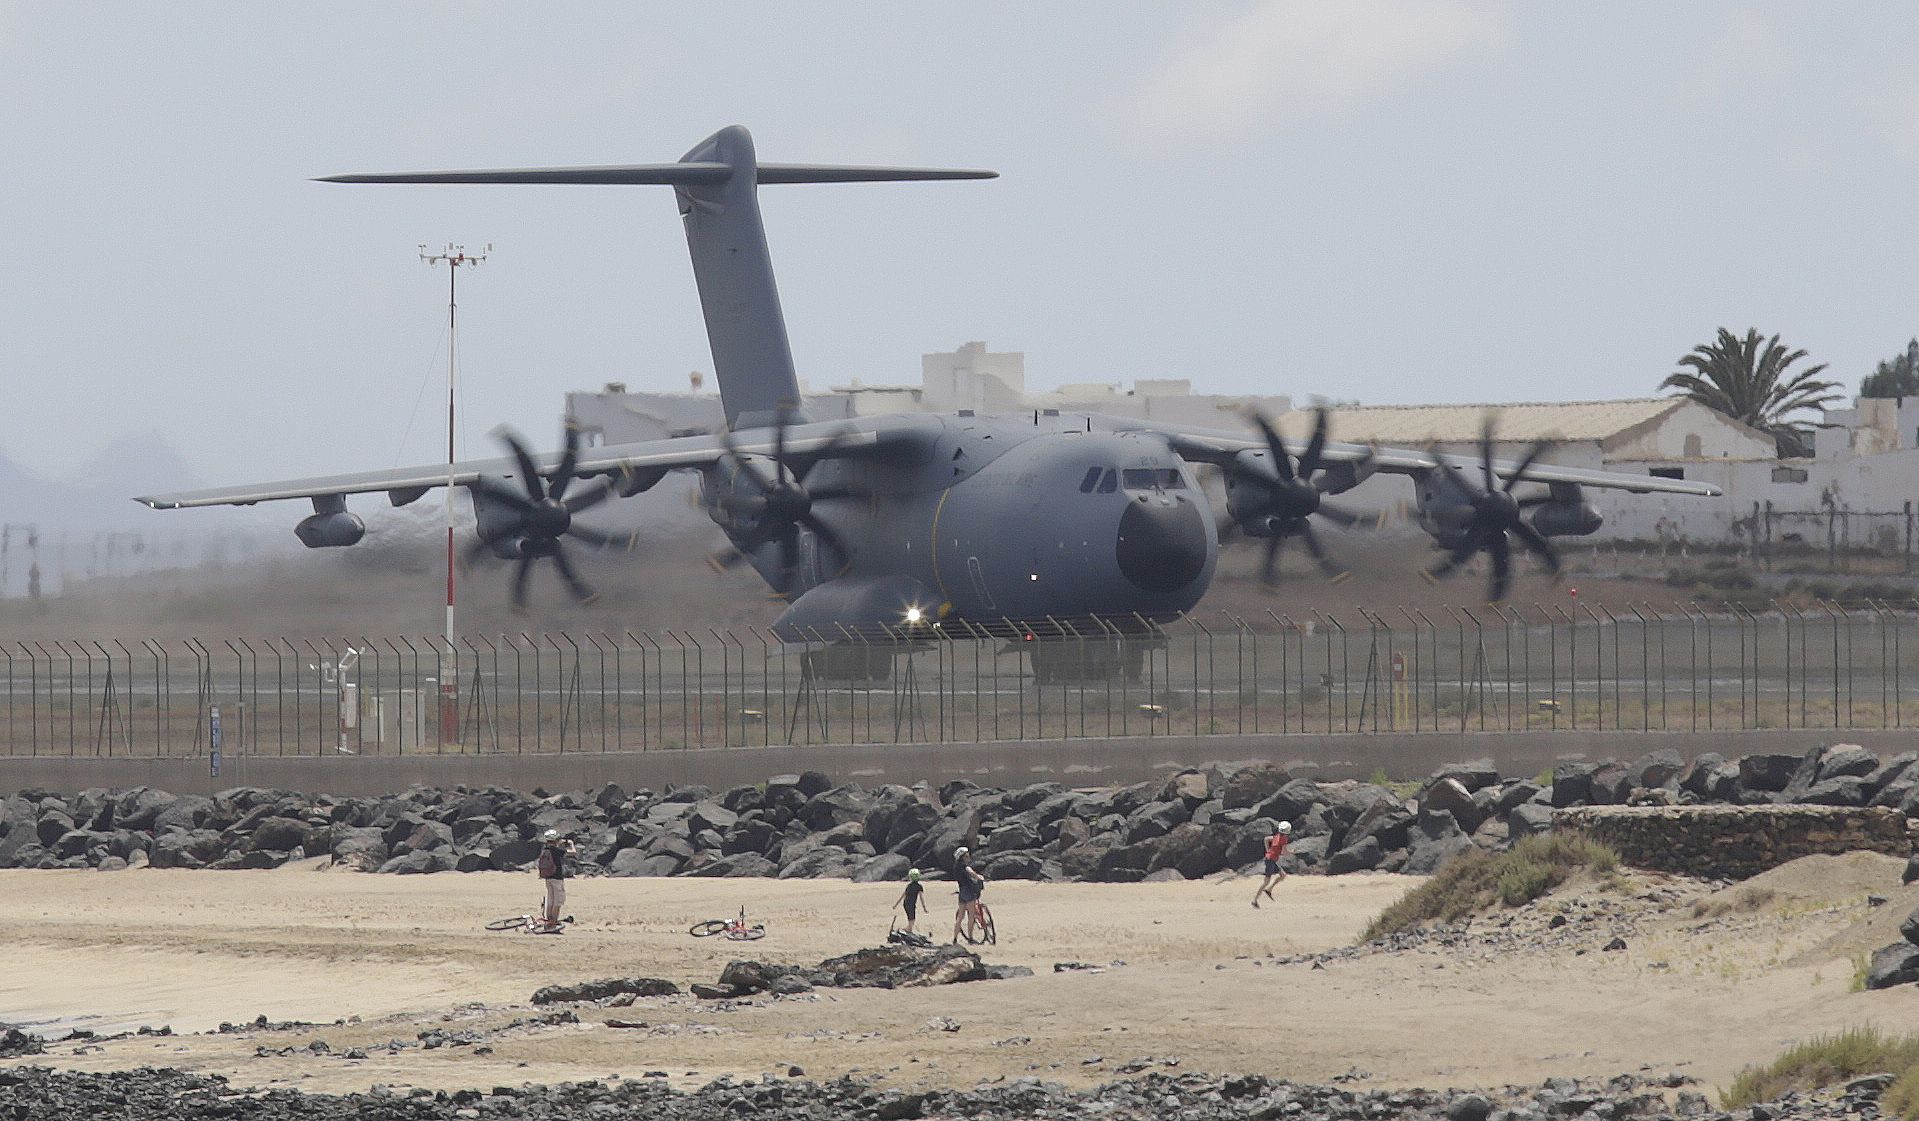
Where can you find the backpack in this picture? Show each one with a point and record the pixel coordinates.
(549, 865)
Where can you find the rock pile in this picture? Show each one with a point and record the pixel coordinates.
(885, 967)
(1190, 824)
(33, 1093)
(1897, 964)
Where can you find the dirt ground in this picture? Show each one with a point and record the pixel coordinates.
(1708, 982)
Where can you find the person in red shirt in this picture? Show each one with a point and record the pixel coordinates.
(1275, 848)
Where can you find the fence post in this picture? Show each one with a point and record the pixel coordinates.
(1645, 674)
(600, 654)
(656, 695)
(578, 716)
(766, 682)
(1833, 617)
(1345, 676)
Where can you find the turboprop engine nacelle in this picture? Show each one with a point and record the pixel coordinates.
(330, 526)
(1567, 515)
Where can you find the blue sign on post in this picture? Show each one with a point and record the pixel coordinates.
(213, 756)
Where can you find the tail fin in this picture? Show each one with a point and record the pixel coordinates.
(717, 184)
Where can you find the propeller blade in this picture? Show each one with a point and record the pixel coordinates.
(744, 464)
(1538, 543)
(1519, 473)
(828, 536)
(535, 486)
(569, 459)
(1502, 580)
(481, 547)
(503, 494)
(789, 551)
(1309, 462)
(581, 590)
(596, 538)
(1282, 463)
(1486, 453)
(835, 493)
(783, 421)
(1326, 565)
(521, 575)
(1459, 556)
(1269, 569)
(587, 499)
(1339, 517)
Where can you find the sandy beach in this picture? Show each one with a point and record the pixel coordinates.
(1707, 982)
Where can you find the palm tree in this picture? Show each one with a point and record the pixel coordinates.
(1750, 381)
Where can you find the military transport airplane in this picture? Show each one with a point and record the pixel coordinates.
(916, 522)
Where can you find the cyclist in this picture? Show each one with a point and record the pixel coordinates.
(971, 886)
(910, 898)
(1275, 848)
(552, 868)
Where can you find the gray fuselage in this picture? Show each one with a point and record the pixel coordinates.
(989, 519)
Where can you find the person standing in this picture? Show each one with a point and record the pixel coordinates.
(971, 884)
(1275, 848)
(910, 898)
(552, 868)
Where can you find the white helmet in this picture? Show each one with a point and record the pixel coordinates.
(961, 851)
(551, 835)
(1285, 827)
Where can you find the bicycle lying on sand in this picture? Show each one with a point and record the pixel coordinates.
(907, 937)
(735, 929)
(530, 924)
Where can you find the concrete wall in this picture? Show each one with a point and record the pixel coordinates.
(1085, 762)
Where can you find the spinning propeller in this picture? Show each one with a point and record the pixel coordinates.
(538, 519)
(1496, 512)
(780, 505)
(1289, 497)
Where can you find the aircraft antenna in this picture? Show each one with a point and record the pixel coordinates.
(453, 257)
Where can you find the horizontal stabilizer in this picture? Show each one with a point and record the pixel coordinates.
(670, 175)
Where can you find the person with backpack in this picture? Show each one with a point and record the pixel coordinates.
(552, 868)
(1275, 848)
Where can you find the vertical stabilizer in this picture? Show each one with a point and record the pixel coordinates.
(718, 188)
(752, 358)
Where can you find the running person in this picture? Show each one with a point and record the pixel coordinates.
(971, 884)
(1275, 848)
(552, 869)
(910, 898)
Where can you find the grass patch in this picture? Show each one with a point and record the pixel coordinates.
(1825, 1060)
(1478, 881)
(1744, 901)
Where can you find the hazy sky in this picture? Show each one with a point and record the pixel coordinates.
(1390, 201)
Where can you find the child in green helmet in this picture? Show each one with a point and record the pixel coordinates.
(910, 898)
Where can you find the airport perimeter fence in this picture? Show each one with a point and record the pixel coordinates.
(1503, 668)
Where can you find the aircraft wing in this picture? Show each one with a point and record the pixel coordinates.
(404, 484)
(1213, 446)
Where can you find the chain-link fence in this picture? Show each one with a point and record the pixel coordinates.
(1505, 668)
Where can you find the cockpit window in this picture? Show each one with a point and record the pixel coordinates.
(1092, 477)
(1109, 482)
(1146, 478)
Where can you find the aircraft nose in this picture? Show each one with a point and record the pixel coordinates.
(1162, 547)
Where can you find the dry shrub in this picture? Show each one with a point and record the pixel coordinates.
(1825, 1060)
(1479, 881)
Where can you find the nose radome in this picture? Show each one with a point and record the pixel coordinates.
(1161, 548)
